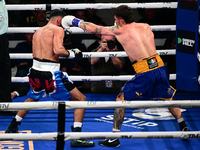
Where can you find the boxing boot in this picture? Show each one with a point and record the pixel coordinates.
(183, 126)
(80, 143)
(13, 127)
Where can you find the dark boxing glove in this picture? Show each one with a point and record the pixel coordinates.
(75, 54)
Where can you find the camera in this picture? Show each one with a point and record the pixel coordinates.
(111, 44)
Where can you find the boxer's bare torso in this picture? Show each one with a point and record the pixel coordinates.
(48, 43)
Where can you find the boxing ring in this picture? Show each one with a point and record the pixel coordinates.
(142, 128)
(147, 124)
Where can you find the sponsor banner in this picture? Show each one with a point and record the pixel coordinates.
(186, 41)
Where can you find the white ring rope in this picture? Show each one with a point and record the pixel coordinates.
(99, 135)
(90, 55)
(93, 54)
(99, 104)
(90, 78)
(76, 30)
(172, 5)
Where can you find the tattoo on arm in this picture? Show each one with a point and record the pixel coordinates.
(113, 28)
(98, 30)
(85, 24)
(118, 117)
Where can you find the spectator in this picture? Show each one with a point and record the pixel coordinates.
(41, 18)
(106, 66)
(91, 14)
(150, 16)
(81, 14)
(29, 17)
(22, 66)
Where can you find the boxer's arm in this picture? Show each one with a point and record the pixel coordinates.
(60, 50)
(68, 21)
(75, 54)
(58, 47)
(96, 29)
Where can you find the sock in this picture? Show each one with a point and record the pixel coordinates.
(115, 130)
(18, 118)
(181, 123)
(77, 124)
(180, 120)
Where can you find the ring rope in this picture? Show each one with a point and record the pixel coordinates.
(77, 30)
(90, 55)
(93, 54)
(172, 5)
(99, 135)
(98, 104)
(90, 78)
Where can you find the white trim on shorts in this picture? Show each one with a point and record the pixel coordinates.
(45, 66)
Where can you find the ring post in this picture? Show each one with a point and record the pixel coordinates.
(61, 126)
(187, 32)
(48, 11)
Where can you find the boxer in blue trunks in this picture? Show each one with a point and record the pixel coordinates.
(152, 77)
(45, 76)
(149, 83)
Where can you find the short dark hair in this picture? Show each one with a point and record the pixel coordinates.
(125, 13)
(57, 12)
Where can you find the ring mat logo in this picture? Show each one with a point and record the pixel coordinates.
(154, 113)
(18, 145)
(128, 122)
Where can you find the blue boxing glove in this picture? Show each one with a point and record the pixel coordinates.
(69, 20)
(75, 54)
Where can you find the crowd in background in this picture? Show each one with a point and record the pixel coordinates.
(86, 43)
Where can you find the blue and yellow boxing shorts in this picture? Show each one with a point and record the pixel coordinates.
(150, 82)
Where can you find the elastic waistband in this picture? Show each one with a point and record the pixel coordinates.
(45, 66)
(148, 64)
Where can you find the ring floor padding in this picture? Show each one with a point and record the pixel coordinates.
(100, 120)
